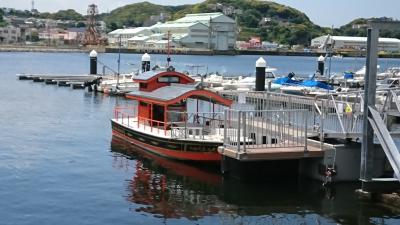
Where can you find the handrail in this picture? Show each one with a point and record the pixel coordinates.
(259, 129)
(318, 109)
(396, 101)
(388, 145)
(337, 113)
(105, 66)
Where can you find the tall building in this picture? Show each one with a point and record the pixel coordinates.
(213, 31)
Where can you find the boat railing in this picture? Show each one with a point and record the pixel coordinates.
(265, 129)
(195, 125)
(126, 115)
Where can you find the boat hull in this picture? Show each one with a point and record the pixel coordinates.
(177, 149)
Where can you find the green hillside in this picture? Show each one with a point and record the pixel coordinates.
(134, 15)
(349, 30)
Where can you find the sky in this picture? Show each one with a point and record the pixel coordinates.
(325, 13)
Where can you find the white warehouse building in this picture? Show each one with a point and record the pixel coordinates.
(205, 30)
(356, 43)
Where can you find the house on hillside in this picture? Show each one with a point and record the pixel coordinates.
(10, 34)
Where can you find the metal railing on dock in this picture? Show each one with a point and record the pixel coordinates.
(331, 115)
(265, 129)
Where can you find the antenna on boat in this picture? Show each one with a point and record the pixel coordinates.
(119, 60)
(330, 54)
(168, 49)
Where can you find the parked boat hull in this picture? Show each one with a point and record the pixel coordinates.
(170, 148)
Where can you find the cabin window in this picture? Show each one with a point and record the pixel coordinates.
(142, 85)
(269, 75)
(143, 104)
(168, 79)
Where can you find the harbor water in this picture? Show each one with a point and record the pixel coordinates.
(60, 165)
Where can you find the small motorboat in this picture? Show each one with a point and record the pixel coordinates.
(305, 87)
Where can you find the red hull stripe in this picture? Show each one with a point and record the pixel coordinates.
(181, 155)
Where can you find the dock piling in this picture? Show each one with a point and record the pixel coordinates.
(93, 62)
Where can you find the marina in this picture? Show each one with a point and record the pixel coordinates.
(199, 112)
(284, 143)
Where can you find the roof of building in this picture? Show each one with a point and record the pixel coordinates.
(139, 38)
(174, 25)
(117, 31)
(129, 30)
(202, 17)
(176, 92)
(163, 42)
(178, 37)
(362, 39)
(158, 35)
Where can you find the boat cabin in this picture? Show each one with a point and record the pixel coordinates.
(174, 117)
(172, 99)
(151, 80)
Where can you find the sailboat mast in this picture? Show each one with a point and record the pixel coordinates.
(168, 49)
(119, 61)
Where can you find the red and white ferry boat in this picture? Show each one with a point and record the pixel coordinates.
(167, 117)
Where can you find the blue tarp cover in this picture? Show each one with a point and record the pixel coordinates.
(314, 83)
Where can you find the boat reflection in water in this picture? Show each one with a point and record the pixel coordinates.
(170, 189)
(167, 188)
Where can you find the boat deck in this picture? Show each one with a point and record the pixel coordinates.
(190, 133)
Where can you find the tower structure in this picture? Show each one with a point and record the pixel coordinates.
(92, 36)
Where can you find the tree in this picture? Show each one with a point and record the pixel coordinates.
(2, 22)
(80, 24)
(113, 26)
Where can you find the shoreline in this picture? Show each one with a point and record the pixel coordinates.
(205, 52)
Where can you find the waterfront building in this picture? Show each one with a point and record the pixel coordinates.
(204, 31)
(355, 43)
(10, 34)
(269, 46)
(61, 36)
(114, 37)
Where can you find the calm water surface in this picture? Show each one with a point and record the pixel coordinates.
(60, 165)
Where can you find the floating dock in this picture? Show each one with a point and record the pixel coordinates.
(73, 81)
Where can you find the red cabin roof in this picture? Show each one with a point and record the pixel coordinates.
(152, 80)
(175, 93)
